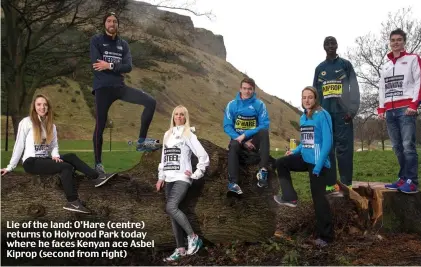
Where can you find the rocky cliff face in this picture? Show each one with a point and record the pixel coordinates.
(171, 25)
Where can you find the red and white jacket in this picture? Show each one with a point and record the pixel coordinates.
(400, 82)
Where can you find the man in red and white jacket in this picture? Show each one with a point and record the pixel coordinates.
(399, 97)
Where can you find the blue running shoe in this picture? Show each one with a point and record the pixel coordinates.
(262, 178)
(408, 188)
(395, 185)
(233, 187)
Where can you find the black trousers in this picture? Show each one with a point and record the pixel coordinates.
(70, 162)
(105, 97)
(342, 150)
(322, 210)
(260, 142)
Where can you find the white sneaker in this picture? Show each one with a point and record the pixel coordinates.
(177, 254)
(195, 243)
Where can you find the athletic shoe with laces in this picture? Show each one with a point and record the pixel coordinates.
(395, 185)
(100, 168)
(320, 243)
(177, 254)
(262, 178)
(195, 243)
(408, 187)
(76, 206)
(148, 145)
(102, 179)
(278, 199)
(233, 187)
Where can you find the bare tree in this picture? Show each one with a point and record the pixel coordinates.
(370, 54)
(380, 130)
(45, 39)
(359, 128)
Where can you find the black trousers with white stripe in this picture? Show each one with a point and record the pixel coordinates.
(105, 97)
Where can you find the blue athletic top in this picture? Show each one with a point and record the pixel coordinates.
(245, 116)
(316, 139)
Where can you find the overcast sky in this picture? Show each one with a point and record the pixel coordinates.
(280, 43)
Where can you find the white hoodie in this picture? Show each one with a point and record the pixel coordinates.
(176, 157)
(25, 141)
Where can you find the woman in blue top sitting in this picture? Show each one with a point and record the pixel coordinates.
(312, 156)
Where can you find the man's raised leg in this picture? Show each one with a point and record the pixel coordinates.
(139, 97)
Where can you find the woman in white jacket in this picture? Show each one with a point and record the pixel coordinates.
(175, 171)
(37, 139)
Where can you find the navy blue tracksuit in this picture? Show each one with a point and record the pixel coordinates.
(338, 89)
(108, 86)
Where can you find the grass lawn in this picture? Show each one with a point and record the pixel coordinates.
(66, 145)
(376, 166)
(113, 161)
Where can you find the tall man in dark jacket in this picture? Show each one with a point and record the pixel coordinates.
(337, 85)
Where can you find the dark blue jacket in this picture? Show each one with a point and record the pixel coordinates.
(337, 86)
(247, 117)
(115, 51)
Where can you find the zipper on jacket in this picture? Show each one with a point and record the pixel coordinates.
(393, 107)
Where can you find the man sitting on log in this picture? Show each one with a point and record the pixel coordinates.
(246, 122)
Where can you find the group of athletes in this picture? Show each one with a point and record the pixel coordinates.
(326, 128)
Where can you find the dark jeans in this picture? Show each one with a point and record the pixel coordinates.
(402, 130)
(322, 210)
(41, 166)
(260, 142)
(105, 97)
(342, 150)
(175, 193)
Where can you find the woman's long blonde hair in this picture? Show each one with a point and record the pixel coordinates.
(186, 131)
(316, 105)
(37, 124)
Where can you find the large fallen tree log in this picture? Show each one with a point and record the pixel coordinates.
(217, 218)
(132, 197)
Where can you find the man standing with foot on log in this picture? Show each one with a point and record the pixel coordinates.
(110, 58)
(399, 97)
(246, 121)
(337, 86)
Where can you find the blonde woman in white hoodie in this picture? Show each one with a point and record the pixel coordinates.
(175, 171)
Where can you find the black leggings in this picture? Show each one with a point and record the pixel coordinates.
(105, 97)
(285, 165)
(70, 162)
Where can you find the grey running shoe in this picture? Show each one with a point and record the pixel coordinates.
(100, 168)
(280, 201)
(76, 206)
(102, 178)
(148, 145)
(320, 243)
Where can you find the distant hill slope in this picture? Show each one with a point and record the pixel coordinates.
(175, 73)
